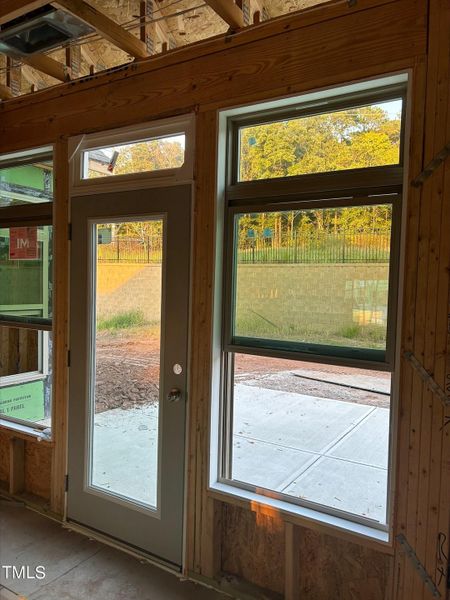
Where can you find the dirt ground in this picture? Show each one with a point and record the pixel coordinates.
(127, 374)
(127, 370)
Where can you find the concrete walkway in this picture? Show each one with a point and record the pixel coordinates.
(328, 451)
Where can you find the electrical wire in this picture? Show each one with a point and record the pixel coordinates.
(135, 23)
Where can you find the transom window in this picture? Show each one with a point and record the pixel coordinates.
(313, 204)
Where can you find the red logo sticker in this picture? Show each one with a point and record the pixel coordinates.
(23, 243)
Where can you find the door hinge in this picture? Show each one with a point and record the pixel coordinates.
(69, 231)
(68, 358)
(67, 483)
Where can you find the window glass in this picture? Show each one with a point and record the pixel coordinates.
(26, 375)
(313, 277)
(365, 136)
(26, 256)
(314, 432)
(26, 184)
(137, 157)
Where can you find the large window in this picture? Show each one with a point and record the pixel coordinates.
(26, 288)
(311, 254)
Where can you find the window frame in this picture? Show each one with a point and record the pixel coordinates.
(78, 146)
(310, 109)
(340, 355)
(28, 215)
(318, 189)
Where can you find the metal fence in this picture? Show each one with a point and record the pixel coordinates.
(319, 247)
(131, 250)
(323, 247)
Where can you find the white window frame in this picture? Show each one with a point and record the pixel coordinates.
(307, 513)
(30, 376)
(14, 216)
(79, 145)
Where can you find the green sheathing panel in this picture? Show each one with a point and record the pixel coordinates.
(24, 401)
(27, 176)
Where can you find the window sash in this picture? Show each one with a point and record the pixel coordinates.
(303, 110)
(342, 355)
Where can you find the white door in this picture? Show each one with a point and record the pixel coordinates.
(129, 329)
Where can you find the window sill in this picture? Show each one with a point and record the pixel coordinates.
(306, 517)
(27, 431)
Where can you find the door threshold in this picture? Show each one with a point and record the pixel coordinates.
(141, 555)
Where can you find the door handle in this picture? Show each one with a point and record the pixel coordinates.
(174, 395)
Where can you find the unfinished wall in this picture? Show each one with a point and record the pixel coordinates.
(326, 46)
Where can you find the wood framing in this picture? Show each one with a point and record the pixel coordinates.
(105, 26)
(48, 65)
(228, 11)
(5, 92)
(12, 9)
(325, 46)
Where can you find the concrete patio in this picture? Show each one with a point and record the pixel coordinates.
(300, 445)
(312, 448)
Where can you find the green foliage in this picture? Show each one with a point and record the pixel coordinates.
(125, 320)
(347, 139)
(355, 138)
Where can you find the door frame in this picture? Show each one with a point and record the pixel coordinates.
(165, 178)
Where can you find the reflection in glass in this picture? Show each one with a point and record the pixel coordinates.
(26, 375)
(26, 289)
(26, 184)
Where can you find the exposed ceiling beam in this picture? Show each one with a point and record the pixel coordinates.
(228, 11)
(105, 26)
(47, 65)
(11, 9)
(5, 92)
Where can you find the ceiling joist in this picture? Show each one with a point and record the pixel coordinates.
(49, 66)
(105, 26)
(228, 11)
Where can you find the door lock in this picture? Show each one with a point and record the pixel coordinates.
(174, 395)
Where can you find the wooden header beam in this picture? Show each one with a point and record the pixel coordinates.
(228, 11)
(105, 26)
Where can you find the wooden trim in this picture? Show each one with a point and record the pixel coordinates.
(228, 11)
(106, 27)
(60, 325)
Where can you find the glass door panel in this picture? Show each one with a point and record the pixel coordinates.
(125, 382)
